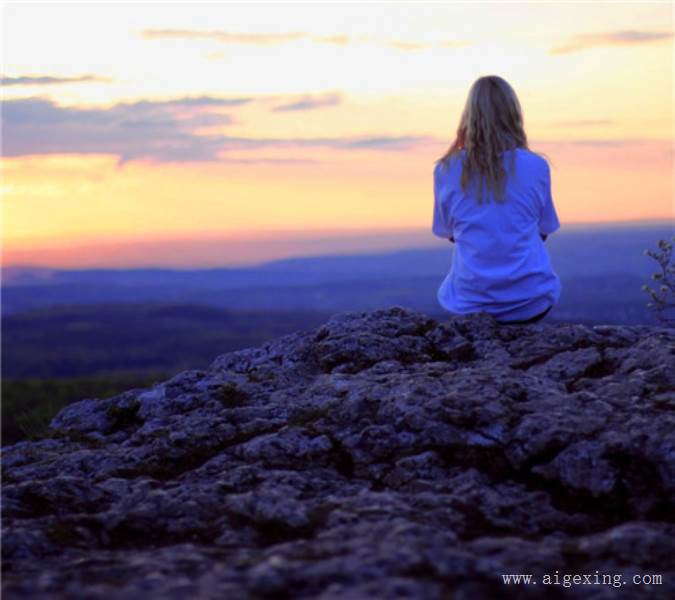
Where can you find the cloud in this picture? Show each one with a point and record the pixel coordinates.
(613, 154)
(48, 80)
(309, 103)
(260, 39)
(405, 142)
(157, 131)
(606, 143)
(413, 46)
(454, 44)
(386, 143)
(585, 123)
(612, 38)
(268, 161)
(267, 39)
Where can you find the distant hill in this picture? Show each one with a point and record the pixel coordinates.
(602, 270)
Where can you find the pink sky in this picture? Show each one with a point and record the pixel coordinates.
(231, 135)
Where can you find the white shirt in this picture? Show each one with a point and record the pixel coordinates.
(500, 264)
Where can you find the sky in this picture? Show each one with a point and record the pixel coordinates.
(218, 134)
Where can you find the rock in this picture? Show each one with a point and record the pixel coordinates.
(381, 455)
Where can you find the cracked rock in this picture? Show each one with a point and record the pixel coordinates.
(382, 455)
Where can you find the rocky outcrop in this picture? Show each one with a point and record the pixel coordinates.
(381, 455)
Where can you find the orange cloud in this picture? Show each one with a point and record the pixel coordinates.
(612, 38)
(262, 39)
(266, 39)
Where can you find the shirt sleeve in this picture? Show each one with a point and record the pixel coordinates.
(442, 225)
(548, 218)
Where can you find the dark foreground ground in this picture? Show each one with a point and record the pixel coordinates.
(383, 454)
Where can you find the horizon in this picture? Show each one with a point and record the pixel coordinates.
(181, 135)
(392, 241)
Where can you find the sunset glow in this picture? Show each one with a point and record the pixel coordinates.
(145, 123)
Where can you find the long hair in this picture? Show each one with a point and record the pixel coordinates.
(491, 124)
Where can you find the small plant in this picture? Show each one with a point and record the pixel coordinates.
(663, 297)
(35, 423)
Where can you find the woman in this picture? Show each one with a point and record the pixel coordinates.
(498, 220)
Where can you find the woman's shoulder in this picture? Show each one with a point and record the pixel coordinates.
(447, 163)
(534, 159)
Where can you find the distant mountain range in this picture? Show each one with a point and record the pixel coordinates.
(602, 270)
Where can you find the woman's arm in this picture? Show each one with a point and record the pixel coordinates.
(548, 217)
(442, 225)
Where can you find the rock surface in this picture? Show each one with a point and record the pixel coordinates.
(381, 455)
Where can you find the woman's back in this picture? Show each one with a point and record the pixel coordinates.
(500, 264)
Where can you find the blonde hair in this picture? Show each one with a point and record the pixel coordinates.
(491, 123)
